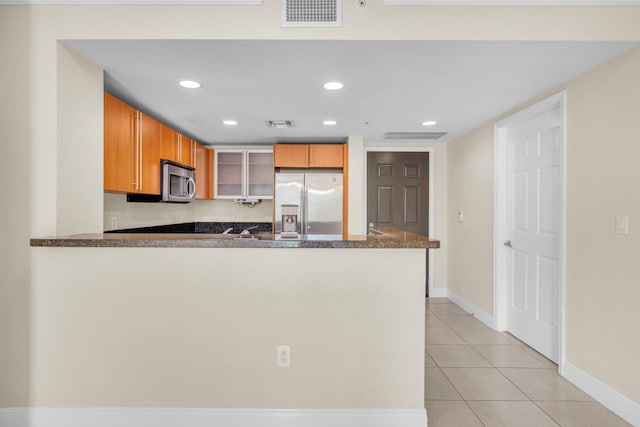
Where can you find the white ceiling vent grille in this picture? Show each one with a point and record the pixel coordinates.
(414, 135)
(280, 124)
(311, 13)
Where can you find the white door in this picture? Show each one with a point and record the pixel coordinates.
(534, 203)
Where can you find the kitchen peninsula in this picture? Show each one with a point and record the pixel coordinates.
(384, 238)
(198, 325)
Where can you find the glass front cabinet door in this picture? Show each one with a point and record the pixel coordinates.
(244, 174)
(259, 174)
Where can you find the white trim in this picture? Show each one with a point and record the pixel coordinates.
(438, 292)
(499, 228)
(609, 397)
(133, 2)
(512, 2)
(563, 241)
(431, 220)
(205, 417)
(500, 231)
(386, 2)
(471, 308)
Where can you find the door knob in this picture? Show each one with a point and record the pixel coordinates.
(508, 244)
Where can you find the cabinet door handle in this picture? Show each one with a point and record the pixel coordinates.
(177, 147)
(141, 153)
(134, 134)
(136, 147)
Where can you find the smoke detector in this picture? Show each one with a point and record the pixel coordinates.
(280, 124)
(311, 13)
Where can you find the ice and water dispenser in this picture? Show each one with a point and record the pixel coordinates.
(289, 221)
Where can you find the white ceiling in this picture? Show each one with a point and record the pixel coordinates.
(389, 85)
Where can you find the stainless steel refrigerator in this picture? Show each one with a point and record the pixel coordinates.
(312, 204)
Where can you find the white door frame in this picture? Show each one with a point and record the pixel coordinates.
(500, 214)
(431, 218)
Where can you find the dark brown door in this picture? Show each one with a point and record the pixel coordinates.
(398, 192)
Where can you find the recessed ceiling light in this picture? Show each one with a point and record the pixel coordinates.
(189, 84)
(429, 123)
(229, 122)
(329, 122)
(333, 85)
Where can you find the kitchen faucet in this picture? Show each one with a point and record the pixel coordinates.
(228, 230)
(246, 230)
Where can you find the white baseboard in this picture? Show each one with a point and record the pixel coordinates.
(437, 292)
(607, 396)
(204, 417)
(471, 308)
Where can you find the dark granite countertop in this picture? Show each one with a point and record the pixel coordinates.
(387, 239)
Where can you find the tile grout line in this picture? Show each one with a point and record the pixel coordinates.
(459, 394)
(545, 412)
(466, 402)
(467, 345)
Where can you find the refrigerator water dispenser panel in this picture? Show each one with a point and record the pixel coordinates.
(289, 221)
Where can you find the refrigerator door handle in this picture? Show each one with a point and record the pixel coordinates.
(304, 208)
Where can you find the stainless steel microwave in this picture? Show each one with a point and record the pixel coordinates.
(178, 182)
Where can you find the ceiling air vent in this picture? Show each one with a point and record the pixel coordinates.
(311, 13)
(280, 124)
(414, 135)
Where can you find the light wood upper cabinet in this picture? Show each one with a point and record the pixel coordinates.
(177, 147)
(308, 155)
(187, 150)
(291, 155)
(169, 144)
(119, 146)
(150, 147)
(131, 149)
(326, 155)
(204, 172)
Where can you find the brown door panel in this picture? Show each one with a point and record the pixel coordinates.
(398, 191)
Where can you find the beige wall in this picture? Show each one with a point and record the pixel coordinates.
(470, 243)
(356, 224)
(79, 113)
(30, 125)
(603, 179)
(16, 137)
(230, 211)
(120, 214)
(160, 327)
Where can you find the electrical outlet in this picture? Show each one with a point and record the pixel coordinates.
(284, 356)
(114, 222)
(460, 216)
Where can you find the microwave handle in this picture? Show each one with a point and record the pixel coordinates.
(191, 184)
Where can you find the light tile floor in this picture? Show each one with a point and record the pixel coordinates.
(477, 377)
